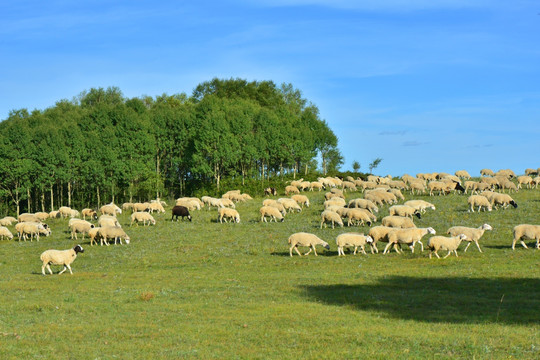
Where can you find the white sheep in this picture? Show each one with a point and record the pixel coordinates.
(360, 217)
(363, 204)
(404, 210)
(332, 217)
(81, 226)
(145, 206)
(420, 205)
(487, 172)
(156, 206)
(301, 200)
(335, 201)
(316, 185)
(64, 211)
(108, 220)
(59, 257)
(379, 233)
(191, 204)
(112, 232)
(42, 216)
(473, 234)
(503, 200)
(110, 209)
(7, 221)
(227, 213)
(355, 240)
(4, 232)
(291, 189)
(526, 231)
(397, 222)
(92, 234)
(143, 217)
(436, 243)
(26, 217)
(463, 174)
(307, 240)
(418, 185)
(480, 201)
(271, 212)
(91, 213)
(290, 204)
(407, 236)
(31, 228)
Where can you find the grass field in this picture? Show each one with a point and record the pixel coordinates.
(210, 290)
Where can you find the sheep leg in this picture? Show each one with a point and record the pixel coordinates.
(455, 252)
(421, 246)
(477, 245)
(61, 272)
(363, 250)
(314, 250)
(386, 248)
(437, 254)
(49, 268)
(447, 255)
(355, 249)
(308, 252)
(524, 245)
(297, 251)
(466, 247)
(43, 270)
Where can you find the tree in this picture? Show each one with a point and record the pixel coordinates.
(373, 165)
(355, 166)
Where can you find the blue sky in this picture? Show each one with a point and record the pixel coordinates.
(426, 85)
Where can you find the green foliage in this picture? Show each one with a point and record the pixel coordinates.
(374, 164)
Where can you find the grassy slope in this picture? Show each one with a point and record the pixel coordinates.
(207, 290)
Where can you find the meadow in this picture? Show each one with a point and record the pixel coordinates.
(202, 289)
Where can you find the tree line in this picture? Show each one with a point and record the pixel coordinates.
(101, 147)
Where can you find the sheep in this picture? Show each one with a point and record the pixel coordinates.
(54, 214)
(4, 232)
(277, 205)
(227, 213)
(530, 171)
(59, 257)
(374, 198)
(349, 186)
(363, 204)
(506, 172)
(316, 185)
(7, 221)
(407, 236)
(330, 216)
(140, 207)
(290, 204)
(156, 206)
(527, 180)
(291, 189)
(91, 213)
(480, 201)
(507, 184)
(439, 186)
(192, 204)
(419, 186)
(112, 232)
(397, 184)
(270, 191)
(272, 212)
(42, 216)
(92, 234)
(227, 203)
(397, 222)
(487, 172)
(526, 231)
(307, 240)
(536, 181)
(64, 211)
(462, 174)
(212, 202)
(436, 243)
(110, 209)
(420, 205)
(144, 217)
(397, 193)
(360, 216)
(181, 211)
(108, 220)
(352, 239)
(491, 181)
(335, 202)
(80, 226)
(126, 206)
(26, 217)
(31, 228)
(301, 200)
(304, 185)
(379, 233)
(473, 234)
(503, 200)
(246, 197)
(404, 210)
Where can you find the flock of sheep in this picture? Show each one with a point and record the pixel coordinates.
(396, 229)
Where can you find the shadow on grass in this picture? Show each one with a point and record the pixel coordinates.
(303, 251)
(452, 300)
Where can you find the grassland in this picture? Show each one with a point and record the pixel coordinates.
(207, 290)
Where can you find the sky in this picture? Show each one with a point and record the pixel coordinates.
(425, 85)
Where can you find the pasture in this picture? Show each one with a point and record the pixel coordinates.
(203, 289)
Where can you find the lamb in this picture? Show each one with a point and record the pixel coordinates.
(301, 200)
(59, 257)
(91, 213)
(126, 206)
(307, 240)
(4, 232)
(526, 231)
(363, 204)
(272, 212)
(407, 236)
(112, 232)
(420, 205)
(108, 220)
(360, 216)
(142, 217)
(436, 243)
(352, 239)
(110, 209)
(227, 213)
(480, 201)
(503, 200)
(379, 233)
(397, 222)
(81, 226)
(405, 211)
(92, 234)
(330, 216)
(291, 189)
(7, 221)
(181, 211)
(473, 234)
(487, 172)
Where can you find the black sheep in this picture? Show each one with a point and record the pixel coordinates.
(180, 211)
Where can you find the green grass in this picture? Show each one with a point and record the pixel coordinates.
(210, 290)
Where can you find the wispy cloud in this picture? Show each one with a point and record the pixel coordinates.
(414, 143)
(385, 133)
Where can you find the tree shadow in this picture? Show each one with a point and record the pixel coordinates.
(452, 300)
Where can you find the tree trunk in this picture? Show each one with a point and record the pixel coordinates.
(157, 176)
(98, 198)
(306, 169)
(69, 193)
(42, 201)
(52, 198)
(29, 201)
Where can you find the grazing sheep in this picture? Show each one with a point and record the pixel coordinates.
(363, 204)
(330, 216)
(397, 193)
(156, 206)
(397, 222)
(335, 201)
(271, 212)
(360, 217)
(59, 257)
(397, 184)
(291, 189)
(143, 217)
(277, 205)
(355, 240)
(64, 211)
(126, 206)
(506, 172)
(91, 213)
(110, 209)
(473, 234)
(181, 211)
(31, 228)
(348, 185)
(379, 233)
(81, 226)
(480, 201)
(307, 240)
(191, 204)
(227, 203)
(316, 185)
(420, 205)
(503, 200)
(374, 198)
(436, 243)
(530, 171)
(42, 216)
(212, 202)
(112, 232)
(108, 221)
(526, 231)
(419, 186)
(145, 206)
(487, 172)
(527, 180)
(4, 232)
(55, 214)
(462, 174)
(290, 204)
(301, 200)
(26, 217)
(92, 234)
(407, 236)
(439, 186)
(7, 221)
(507, 184)
(227, 213)
(270, 191)
(404, 210)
